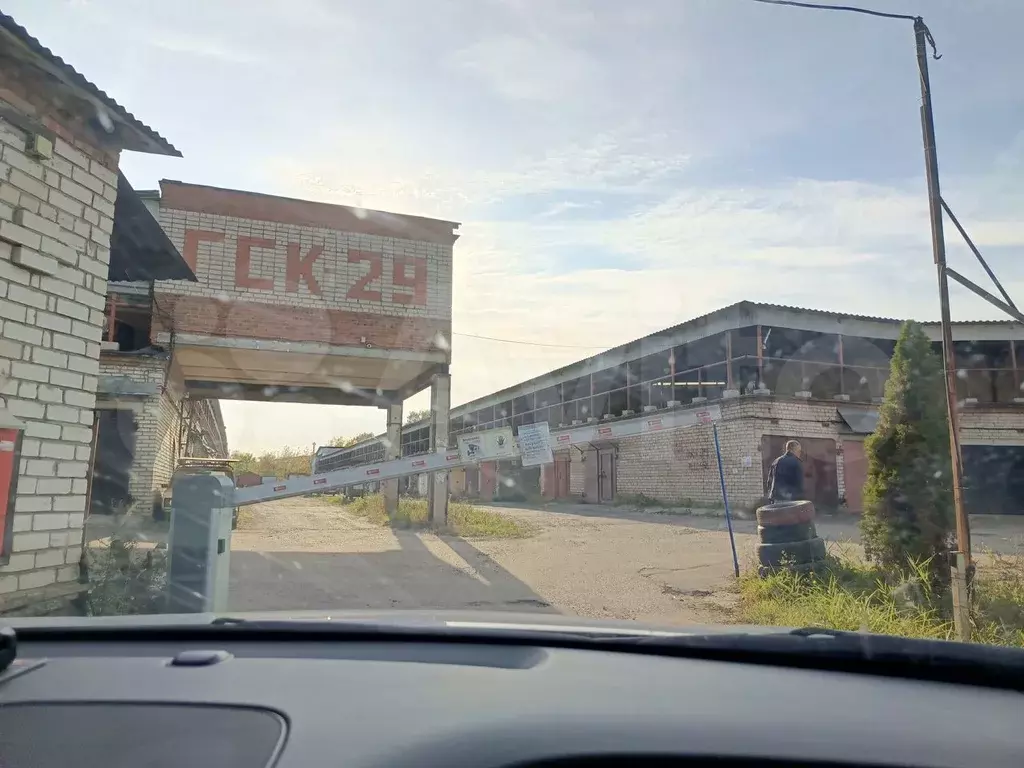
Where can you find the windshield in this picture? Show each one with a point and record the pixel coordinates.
(673, 313)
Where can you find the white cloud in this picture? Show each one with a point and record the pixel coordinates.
(190, 43)
(528, 69)
(509, 115)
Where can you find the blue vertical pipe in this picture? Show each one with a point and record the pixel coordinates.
(725, 498)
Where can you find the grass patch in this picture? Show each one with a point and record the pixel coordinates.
(245, 519)
(642, 502)
(847, 593)
(463, 519)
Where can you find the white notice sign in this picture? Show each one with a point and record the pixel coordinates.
(535, 444)
(486, 446)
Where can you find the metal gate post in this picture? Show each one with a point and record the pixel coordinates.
(199, 543)
(392, 450)
(440, 404)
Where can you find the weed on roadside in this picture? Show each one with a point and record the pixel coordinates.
(463, 519)
(125, 579)
(845, 592)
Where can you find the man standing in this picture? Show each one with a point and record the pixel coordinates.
(786, 475)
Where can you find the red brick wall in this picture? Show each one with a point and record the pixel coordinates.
(293, 270)
(257, 207)
(211, 317)
(488, 480)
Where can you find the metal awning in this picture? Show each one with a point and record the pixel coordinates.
(139, 247)
(861, 420)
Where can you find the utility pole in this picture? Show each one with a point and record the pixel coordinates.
(962, 564)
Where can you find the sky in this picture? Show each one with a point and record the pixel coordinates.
(617, 167)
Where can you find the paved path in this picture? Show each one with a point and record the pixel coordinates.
(308, 554)
(591, 561)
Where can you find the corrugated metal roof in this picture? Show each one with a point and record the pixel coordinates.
(74, 78)
(872, 318)
(740, 306)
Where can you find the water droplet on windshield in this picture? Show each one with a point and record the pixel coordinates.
(104, 119)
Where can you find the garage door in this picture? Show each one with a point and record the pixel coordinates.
(821, 482)
(855, 474)
(994, 479)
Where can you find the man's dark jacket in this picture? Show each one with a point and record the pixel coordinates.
(786, 478)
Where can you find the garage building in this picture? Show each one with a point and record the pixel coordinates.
(778, 373)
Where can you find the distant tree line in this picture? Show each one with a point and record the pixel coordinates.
(288, 460)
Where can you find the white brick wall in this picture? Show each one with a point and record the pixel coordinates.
(55, 224)
(988, 425)
(158, 419)
(333, 272)
(681, 464)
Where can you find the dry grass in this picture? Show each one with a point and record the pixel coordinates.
(463, 519)
(847, 593)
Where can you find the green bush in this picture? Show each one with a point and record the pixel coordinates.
(125, 579)
(908, 502)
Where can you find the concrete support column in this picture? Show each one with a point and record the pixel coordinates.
(440, 405)
(392, 450)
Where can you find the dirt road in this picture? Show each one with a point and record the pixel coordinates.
(308, 554)
(591, 561)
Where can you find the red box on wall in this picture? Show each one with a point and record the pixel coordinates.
(10, 460)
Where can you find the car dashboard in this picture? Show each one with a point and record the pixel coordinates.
(364, 704)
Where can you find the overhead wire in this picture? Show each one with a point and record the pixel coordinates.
(531, 343)
(850, 8)
(865, 11)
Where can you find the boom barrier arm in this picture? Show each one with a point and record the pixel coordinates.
(452, 459)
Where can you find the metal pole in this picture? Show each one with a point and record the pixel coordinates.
(725, 499)
(963, 532)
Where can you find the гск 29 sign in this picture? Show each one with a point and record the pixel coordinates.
(408, 278)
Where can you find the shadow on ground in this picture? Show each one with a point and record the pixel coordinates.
(406, 578)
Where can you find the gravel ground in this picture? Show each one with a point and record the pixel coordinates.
(589, 561)
(308, 554)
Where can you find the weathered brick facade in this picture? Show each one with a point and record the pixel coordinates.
(170, 425)
(56, 216)
(292, 270)
(681, 465)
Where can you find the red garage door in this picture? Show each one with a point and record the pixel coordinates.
(855, 472)
(821, 483)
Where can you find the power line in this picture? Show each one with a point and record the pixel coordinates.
(530, 343)
(850, 8)
(866, 11)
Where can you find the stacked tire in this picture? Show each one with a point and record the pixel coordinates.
(786, 537)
